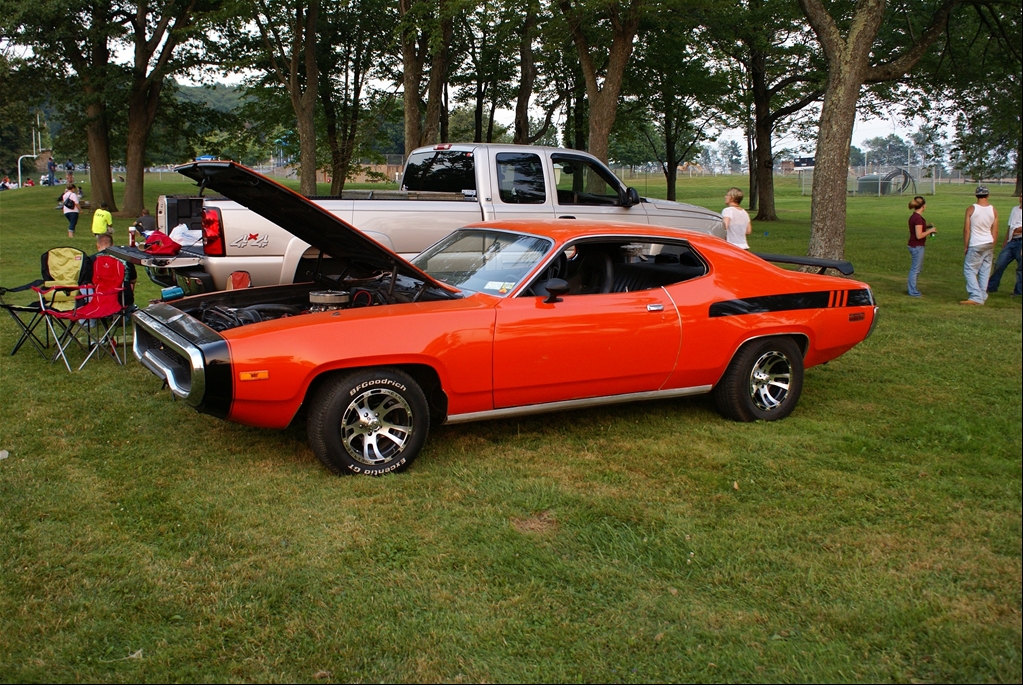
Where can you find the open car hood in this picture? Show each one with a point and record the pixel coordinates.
(302, 218)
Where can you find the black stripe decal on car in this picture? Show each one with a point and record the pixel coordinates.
(823, 299)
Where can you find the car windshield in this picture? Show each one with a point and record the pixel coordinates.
(482, 260)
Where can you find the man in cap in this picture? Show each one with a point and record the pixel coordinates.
(980, 233)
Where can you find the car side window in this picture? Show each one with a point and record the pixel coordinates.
(520, 179)
(581, 181)
(620, 266)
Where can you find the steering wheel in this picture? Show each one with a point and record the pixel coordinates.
(558, 268)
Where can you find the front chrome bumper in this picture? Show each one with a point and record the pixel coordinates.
(170, 356)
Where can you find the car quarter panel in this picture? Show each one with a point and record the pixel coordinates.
(744, 297)
(283, 357)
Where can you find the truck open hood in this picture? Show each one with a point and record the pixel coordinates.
(302, 218)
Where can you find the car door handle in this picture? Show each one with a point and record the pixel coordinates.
(566, 216)
(655, 307)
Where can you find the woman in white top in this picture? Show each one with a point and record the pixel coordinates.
(737, 223)
(71, 197)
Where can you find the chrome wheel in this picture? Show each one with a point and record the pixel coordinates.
(376, 426)
(769, 380)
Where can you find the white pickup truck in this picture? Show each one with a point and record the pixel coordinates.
(444, 187)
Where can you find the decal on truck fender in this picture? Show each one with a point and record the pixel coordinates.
(252, 240)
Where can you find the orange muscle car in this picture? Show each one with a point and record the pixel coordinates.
(499, 319)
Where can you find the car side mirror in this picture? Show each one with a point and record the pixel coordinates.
(555, 288)
(629, 197)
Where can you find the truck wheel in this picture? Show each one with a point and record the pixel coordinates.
(763, 382)
(368, 422)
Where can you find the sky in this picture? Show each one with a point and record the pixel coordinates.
(864, 128)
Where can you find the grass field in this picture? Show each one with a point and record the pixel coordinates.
(875, 535)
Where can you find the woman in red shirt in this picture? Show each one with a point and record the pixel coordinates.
(918, 232)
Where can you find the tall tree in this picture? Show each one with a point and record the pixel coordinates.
(781, 72)
(982, 52)
(848, 34)
(594, 25)
(287, 30)
(536, 25)
(426, 29)
(156, 31)
(78, 36)
(354, 36)
(673, 80)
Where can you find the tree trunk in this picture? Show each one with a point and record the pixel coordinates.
(765, 172)
(603, 98)
(303, 98)
(435, 85)
(670, 166)
(307, 150)
(751, 160)
(333, 143)
(579, 117)
(445, 117)
(412, 59)
(527, 69)
(143, 103)
(481, 94)
(98, 142)
(831, 163)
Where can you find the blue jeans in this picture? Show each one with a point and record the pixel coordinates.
(977, 269)
(915, 267)
(72, 219)
(1010, 252)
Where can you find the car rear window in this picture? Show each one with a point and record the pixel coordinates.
(445, 171)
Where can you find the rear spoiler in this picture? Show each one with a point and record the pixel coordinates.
(843, 267)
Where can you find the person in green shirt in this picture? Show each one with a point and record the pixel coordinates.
(102, 220)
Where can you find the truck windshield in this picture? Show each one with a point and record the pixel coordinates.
(444, 171)
(483, 260)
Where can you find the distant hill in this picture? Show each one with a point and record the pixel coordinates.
(221, 98)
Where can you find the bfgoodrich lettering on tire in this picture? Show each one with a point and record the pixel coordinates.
(369, 422)
(763, 382)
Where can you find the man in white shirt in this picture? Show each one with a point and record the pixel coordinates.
(980, 233)
(1011, 251)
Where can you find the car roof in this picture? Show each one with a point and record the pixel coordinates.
(565, 230)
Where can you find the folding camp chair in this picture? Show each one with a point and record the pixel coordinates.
(67, 267)
(99, 314)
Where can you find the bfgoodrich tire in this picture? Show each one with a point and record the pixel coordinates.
(368, 422)
(763, 382)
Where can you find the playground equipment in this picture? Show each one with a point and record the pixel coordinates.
(896, 182)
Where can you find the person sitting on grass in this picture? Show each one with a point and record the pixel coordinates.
(102, 220)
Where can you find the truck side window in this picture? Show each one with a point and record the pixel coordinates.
(444, 171)
(520, 179)
(584, 182)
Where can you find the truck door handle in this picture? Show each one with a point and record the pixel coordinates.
(566, 216)
(655, 307)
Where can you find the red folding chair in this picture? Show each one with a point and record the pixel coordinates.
(99, 314)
